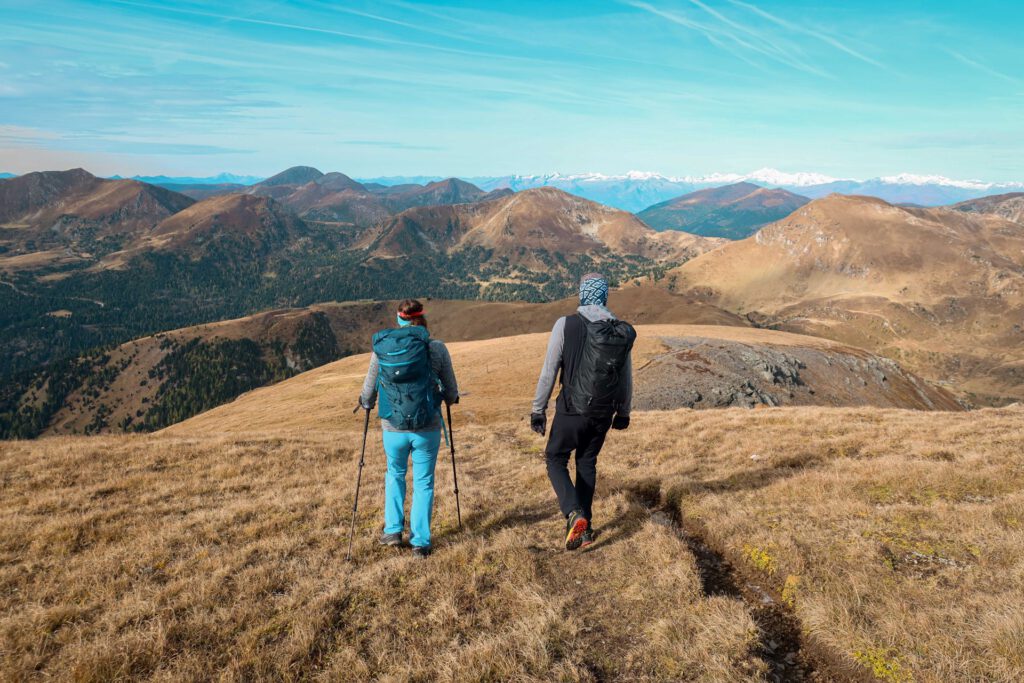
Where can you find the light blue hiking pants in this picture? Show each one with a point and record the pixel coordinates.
(421, 448)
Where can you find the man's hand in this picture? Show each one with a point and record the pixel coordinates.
(620, 422)
(539, 422)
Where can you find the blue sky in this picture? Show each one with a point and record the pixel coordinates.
(857, 89)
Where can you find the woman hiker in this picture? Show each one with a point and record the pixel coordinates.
(414, 375)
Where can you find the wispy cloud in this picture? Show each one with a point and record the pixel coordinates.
(982, 67)
(720, 35)
(335, 7)
(25, 134)
(387, 144)
(820, 35)
(84, 141)
(320, 30)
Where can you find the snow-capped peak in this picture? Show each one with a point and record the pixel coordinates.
(911, 179)
(646, 175)
(771, 176)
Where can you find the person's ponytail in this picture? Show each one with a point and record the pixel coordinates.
(412, 311)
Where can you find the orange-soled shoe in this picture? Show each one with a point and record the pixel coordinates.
(575, 527)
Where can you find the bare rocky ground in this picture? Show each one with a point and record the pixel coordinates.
(702, 372)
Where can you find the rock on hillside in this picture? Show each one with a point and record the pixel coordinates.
(703, 372)
(1009, 206)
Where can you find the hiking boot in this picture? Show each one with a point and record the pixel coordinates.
(391, 539)
(575, 527)
(421, 551)
(588, 537)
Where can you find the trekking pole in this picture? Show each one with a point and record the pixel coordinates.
(359, 479)
(455, 474)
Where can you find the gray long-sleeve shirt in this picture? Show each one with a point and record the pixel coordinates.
(553, 363)
(440, 361)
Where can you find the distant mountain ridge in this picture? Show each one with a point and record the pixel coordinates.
(635, 191)
(732, 211)
(219, 179)
(638, 190)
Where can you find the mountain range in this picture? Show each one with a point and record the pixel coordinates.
(88, 264)
(638, 190)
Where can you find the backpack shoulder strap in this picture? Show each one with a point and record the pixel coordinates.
(575, 326)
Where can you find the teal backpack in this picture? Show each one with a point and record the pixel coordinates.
(407, 387)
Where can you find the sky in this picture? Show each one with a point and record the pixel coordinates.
(680, 87)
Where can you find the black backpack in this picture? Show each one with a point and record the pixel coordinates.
(593, 389)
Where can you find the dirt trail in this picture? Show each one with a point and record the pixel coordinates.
(590, 593)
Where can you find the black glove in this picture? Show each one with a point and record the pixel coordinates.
(539, 422)
(620, 422)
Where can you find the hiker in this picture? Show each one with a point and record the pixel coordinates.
(414, 374)
(592, 350)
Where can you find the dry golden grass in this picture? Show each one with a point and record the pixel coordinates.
(183, 559)
(897, 538)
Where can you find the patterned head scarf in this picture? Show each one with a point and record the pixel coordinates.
(593, 290)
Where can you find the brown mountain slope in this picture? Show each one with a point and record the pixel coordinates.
(1009, 206)
(348, 207)
(203, 191)
(733, 211)
(122, 388)
(252, 223)
(76, 209)
(294, 176)
(941, 291)
(537, 219)
(336, 198)
(450, 191)
(498, 377)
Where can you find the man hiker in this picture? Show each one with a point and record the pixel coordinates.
(413, 374)
(592, 352)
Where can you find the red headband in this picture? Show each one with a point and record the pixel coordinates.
(406, 316)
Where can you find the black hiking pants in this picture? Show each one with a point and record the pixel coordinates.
(585, 436)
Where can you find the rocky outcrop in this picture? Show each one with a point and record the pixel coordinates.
(697, 372)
